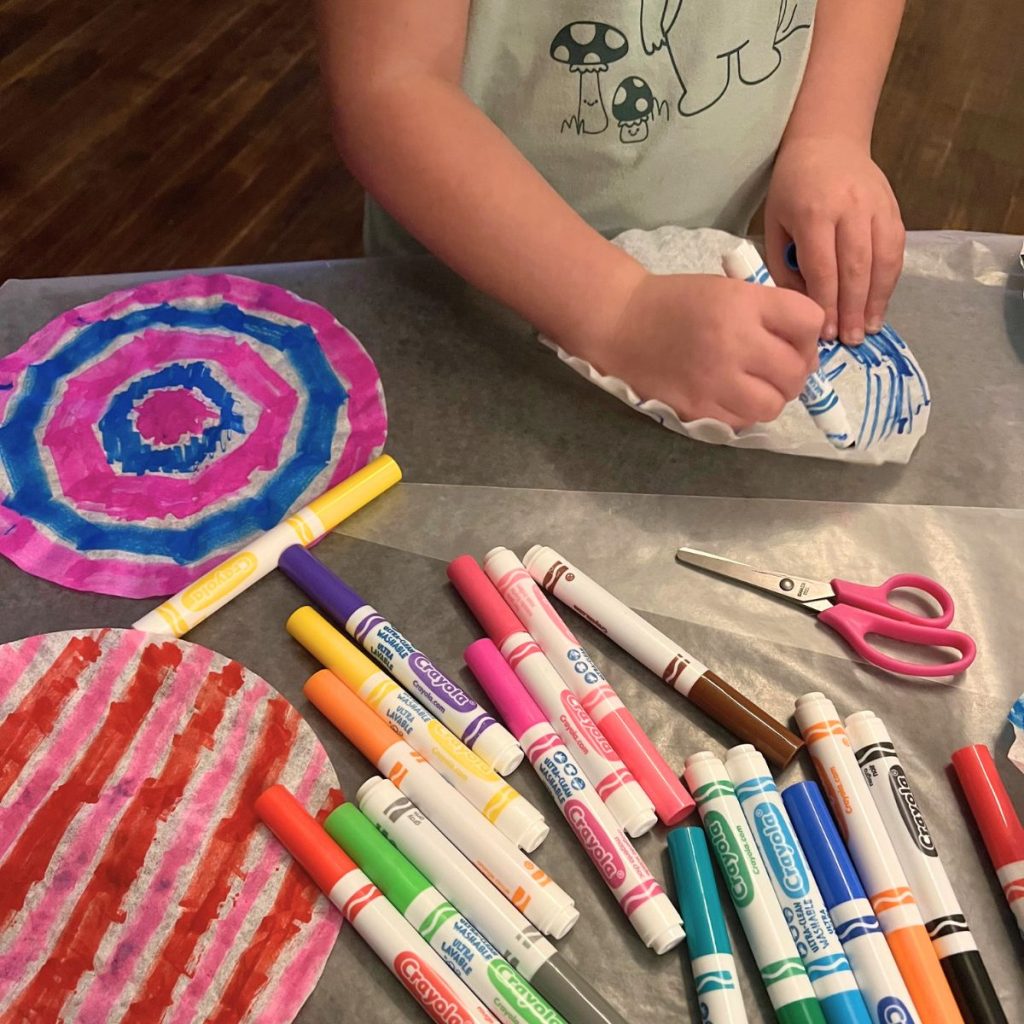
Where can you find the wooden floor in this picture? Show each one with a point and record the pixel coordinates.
(144, 135)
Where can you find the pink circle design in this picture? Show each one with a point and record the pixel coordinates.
(169, 417)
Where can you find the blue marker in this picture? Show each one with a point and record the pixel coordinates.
(856, 926)
(714, 970)
(831, 977)
(818, 397)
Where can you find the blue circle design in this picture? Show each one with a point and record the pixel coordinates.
(127, 449)
(30, 490)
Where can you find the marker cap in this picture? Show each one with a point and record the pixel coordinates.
(997, 819)
(483, 599)
(697, 892)
(358, 490)
(356, 721)
(502, 685)
(400, 882)
(826, 853)
(315, 580)
(302, 837)
(330, 647)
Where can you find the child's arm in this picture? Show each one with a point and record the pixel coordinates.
(707, 346)
(827, 194)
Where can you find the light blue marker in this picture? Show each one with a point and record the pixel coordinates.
(857, 928)
(707, 941)
(818, 397)
(809, 923)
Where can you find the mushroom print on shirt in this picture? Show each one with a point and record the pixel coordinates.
(639, 113)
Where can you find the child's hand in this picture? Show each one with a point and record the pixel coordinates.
(710, 346)
(829, 197)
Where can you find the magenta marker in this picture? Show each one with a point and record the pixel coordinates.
(578, 671)
(642, 900)
(615, 785)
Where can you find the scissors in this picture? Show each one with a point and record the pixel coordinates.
(856, 611)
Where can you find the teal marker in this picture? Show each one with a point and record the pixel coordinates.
(802, 905)
(707, 941)
(473, 959)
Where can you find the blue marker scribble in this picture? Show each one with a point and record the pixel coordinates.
(895, 390)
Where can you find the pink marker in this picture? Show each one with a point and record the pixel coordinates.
(628, 803)
(578, 671)
(642, 900)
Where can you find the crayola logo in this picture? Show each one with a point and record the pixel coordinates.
(675, 668)
(596, 842)
(730, 858)
(219, 582)
(529, 1005)
(910, 812)
(458, 752)
(894, 1011)
(780, 850)
(430, 991)
(583, 724)
(439, 685)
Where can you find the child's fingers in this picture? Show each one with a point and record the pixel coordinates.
(795, 319)
(816, 243)
(853, 250)
(754, 400)
(778, 363)
(887, 239)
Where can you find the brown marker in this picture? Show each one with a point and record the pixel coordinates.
(662, 656)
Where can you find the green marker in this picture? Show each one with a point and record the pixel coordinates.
(750, 889)
(476, 962)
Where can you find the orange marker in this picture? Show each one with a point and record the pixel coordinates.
(872, 852)
(549, 907)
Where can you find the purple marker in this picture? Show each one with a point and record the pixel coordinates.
(642, 900)
(486, 737)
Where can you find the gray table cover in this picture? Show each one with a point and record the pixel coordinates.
(501, 444)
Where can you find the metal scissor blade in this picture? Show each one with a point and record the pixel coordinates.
(811, 594)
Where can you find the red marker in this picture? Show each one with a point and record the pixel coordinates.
(997, 821)
(443, 997)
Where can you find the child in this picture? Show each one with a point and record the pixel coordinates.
(510, 136)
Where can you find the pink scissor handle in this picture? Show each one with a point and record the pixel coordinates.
(876, 599)
(854, 625)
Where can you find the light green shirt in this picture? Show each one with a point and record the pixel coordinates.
(640, 113)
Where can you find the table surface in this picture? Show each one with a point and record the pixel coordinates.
(501, 444)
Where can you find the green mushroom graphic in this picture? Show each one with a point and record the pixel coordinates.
(588, 47)
(633, 107)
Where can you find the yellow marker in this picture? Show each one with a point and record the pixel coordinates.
(483, 787)
(178, 614)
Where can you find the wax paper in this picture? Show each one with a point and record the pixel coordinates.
(147, 435)
(136, 882)
(880, 383)
(473, 400)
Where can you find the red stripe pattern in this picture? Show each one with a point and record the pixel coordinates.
(137, 884)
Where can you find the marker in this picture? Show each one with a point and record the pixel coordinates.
(818, 397)
(529, 888)
(521, 944)
(665, 658)
(469, 955)
(804, 910)
(441, 995)
(877, 864)
(237, 573)
(643, 902)
(707, 940)
(858, 929)
(944, 919)
(997, 821)
(629, 804)
(774, 950)
(447, 701)
(487, 791)
(578, 671)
